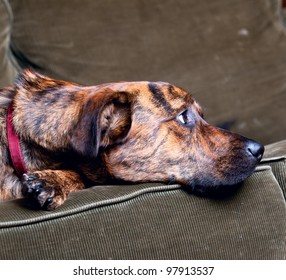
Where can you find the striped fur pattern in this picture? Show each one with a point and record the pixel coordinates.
(73, 137)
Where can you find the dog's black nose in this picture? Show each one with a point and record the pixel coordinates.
(255, 149)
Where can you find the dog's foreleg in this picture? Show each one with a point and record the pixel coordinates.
(48, 189)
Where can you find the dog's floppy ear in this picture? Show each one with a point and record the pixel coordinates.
(105, 120)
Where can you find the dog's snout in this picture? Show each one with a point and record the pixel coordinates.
(255, 149)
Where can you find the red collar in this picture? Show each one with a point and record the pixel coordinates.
(14, 145)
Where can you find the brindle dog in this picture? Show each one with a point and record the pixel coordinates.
(73, 137)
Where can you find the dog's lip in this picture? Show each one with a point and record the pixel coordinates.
(217, 192)
(214, 191)
(210, 182)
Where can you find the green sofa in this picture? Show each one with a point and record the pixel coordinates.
(229, 53)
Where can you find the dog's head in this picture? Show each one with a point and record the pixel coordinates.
(140, 131)
(156, 132)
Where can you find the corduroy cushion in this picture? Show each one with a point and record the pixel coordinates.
(151, 221)
(275, 157)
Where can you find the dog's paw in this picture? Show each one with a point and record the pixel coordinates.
(40, 193)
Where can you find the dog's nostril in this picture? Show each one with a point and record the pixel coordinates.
(255, 149)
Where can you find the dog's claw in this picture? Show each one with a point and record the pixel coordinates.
(38, 189)
(30, 177)
(49, 200)
(39, 193)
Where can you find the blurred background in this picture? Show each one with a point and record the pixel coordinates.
(230, 54)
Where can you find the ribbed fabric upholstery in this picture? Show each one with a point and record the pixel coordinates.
(151, 222)
(279, 170)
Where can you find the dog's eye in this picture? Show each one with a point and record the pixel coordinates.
(186, 118)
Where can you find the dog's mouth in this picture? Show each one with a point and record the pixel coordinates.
(209, 184)
(214, 192)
